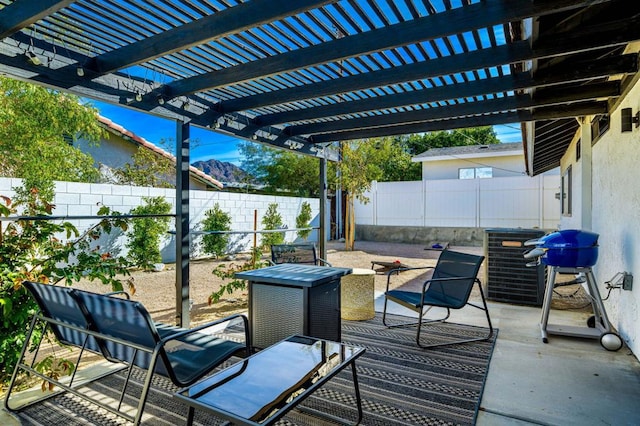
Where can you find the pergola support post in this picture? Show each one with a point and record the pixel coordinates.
(322, 231)
(182, 224)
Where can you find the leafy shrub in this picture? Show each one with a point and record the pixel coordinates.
(302, 220)
(216, 220)
(144, 238)
(272, 220)
(32, 250)
(227, 272)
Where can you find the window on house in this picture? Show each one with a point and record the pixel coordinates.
(475, 173)
(565, 194)
(599, 126)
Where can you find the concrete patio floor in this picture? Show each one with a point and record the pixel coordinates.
(569, 381)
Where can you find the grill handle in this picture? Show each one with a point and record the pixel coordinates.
(534, 242)
(534, 253)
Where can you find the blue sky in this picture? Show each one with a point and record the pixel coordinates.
(207, 143)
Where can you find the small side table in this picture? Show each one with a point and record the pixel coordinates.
(262, 388)
(357, 292)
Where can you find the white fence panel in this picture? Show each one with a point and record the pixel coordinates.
(551, 204)
(365, 213)
(451, 203)
(508, 202)
(400, 204)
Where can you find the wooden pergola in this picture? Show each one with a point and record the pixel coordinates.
(306, 74)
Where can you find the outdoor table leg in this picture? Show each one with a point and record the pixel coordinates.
(339, 419)
(190, 416)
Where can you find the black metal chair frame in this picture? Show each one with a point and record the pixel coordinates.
(422, 306)
(296, 253)
(69, 328)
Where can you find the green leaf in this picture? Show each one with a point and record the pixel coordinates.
(104, 211)
(7, 306)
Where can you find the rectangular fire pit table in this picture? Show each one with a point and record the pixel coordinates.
(290, 299)
(262, 388)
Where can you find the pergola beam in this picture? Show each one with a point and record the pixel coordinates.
(480, 59)
(22, 13)
(485, 14)
(579, 71)
(226, 22)
(549, 113)
(518, 102)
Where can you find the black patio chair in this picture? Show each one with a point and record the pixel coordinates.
(296, 253)
(450, 287)
(123, 332)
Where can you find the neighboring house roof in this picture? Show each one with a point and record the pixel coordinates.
(470, 151)
(126, 134)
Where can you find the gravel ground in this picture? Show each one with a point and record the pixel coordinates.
(156, 290)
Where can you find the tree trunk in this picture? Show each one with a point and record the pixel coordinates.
(350, 225)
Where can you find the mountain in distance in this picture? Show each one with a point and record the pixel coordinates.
(221, 170)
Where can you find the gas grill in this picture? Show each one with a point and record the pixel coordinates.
(573, 251)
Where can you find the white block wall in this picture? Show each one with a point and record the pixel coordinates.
(83, 199)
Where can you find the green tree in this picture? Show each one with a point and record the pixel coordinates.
(272, 220)
(359, 166)
(281, 170)
(34, 250)
(302, 220)
(147, 169)
(255, 158)
(37, 124)
(393, 160)
(419, 143)
(287, 171)
(216, 219)
(144, 237)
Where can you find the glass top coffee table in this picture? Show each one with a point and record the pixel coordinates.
(262, 388)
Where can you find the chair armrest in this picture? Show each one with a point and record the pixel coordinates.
(398, 270)
(324, 262)
(118, 293)
(184, 333)
(448, 279)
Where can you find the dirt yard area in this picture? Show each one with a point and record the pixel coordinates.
(156, 290)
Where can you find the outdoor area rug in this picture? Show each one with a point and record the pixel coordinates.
(400, 384)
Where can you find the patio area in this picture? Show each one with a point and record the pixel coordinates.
(569, 381)
(566, 382)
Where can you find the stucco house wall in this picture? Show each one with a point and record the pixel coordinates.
(506, 160)
(607, 201)
(117, 149)
(573, 220)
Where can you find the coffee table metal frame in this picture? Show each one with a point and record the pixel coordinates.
(214, 382)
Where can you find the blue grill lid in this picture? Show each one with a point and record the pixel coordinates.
(569, 239)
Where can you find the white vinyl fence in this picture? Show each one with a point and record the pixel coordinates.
(505, 202)
(84, 199)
